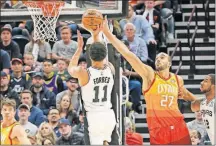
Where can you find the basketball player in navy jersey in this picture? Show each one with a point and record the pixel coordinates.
(207, 105)
(96, 86)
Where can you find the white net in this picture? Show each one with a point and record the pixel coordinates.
(44, 16)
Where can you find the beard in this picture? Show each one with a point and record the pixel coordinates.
(37, 85)
(162, 67)
(3, 87)
(206, 90)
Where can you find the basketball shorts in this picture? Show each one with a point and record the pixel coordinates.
(100, 126)
(177, 134)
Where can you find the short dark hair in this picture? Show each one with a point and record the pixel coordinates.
(97, 51)
(48, 60)
(212, 78)
(26, 91)
(52, 108)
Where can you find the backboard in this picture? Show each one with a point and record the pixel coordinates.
(72, 10)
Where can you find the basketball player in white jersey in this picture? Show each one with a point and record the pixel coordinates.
(96, 86)
(207, 105)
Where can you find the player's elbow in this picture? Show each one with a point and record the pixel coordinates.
(73, 71)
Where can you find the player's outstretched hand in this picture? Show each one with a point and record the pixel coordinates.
(80, 40)
(105, 27)
(96, 32)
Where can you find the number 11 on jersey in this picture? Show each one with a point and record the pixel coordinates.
(97, 89)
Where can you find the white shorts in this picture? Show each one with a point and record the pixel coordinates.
(101, 125)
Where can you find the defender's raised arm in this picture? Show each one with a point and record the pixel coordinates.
(143, 70)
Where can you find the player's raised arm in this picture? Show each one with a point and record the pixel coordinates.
(74, 70)
(142, 69)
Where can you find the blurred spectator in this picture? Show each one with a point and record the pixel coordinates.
(5, 5)
(169, 4)
(195, 137)
(19, 80)
(23, 114)
(42, 97)
(81, 4)
(22, 25)
(82, 62)
(167, 16)
(153, 17)
(72, 92)
(79, 127)
(53, 120)
(6, 91)
(136, 44)
(66, 109)
(7, 43)
(117, 29)
(4, 61)
(52, 81)
(143, 29)
(132, 138)
(36, 115)
(165, 13)
(31, 64)
(45, 131)
(65, 48)
(199, 125)
(68, 136)
(40, 49)
(62, 69)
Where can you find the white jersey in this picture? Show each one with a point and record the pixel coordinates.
(96, 94)
(208, 116)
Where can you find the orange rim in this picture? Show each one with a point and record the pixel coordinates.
(46, 7)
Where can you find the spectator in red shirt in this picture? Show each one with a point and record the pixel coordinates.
(132, 138)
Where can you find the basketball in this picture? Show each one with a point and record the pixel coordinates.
(91, 19)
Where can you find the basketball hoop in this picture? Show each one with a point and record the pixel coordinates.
(44, 15)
